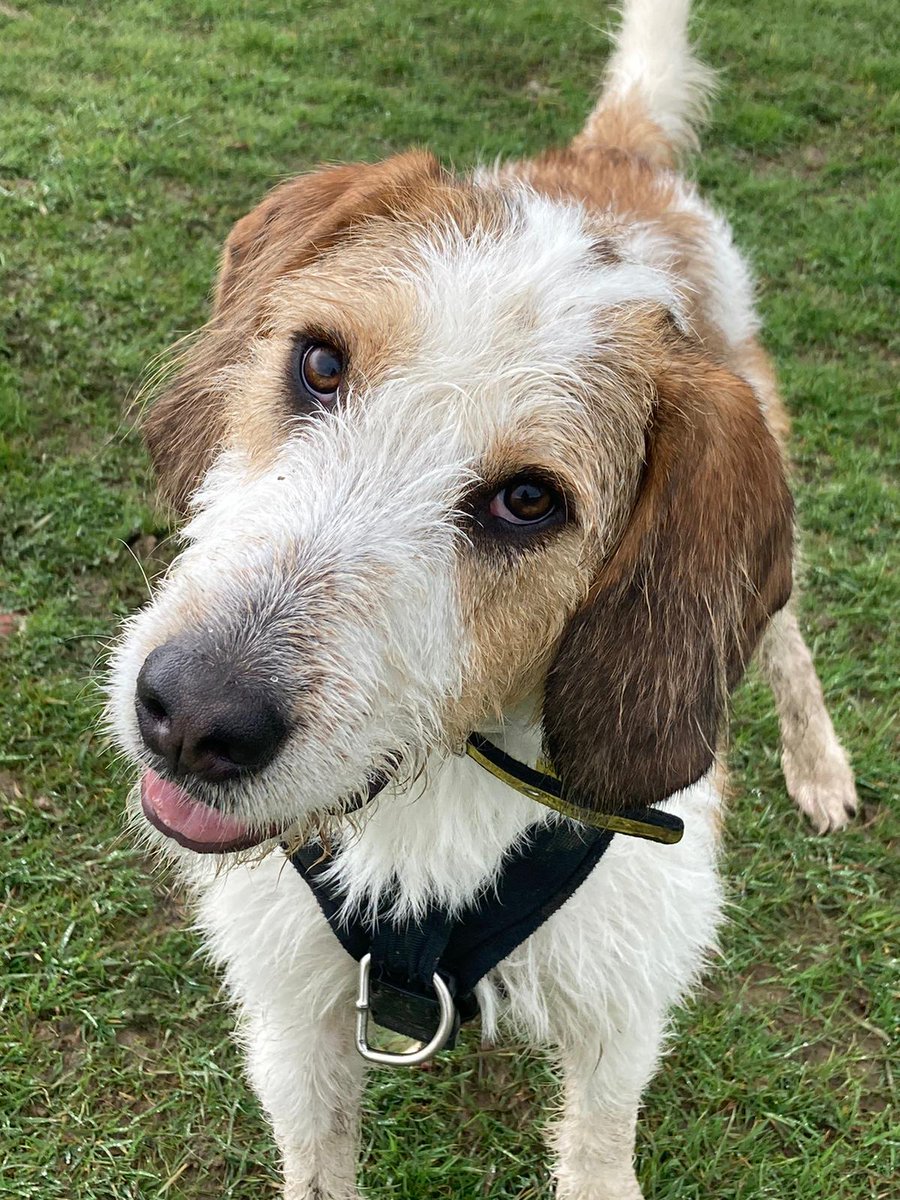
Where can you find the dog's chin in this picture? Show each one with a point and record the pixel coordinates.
(197, 826)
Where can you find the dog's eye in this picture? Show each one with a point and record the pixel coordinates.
(318, 370)
(526, 500)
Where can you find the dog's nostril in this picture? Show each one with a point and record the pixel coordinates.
(235, 751)
(154, 708)
(156, 684)
(216, 747)
(201, 719)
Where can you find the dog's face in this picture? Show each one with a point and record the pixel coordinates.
(443, 448)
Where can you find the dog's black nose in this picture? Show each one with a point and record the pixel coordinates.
(202, 717)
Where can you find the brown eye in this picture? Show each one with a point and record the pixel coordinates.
(526, 501)
(318, 370)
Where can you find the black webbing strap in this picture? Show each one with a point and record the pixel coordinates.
(536, 879)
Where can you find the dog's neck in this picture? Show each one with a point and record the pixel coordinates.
(442, 837)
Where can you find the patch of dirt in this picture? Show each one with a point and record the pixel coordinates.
(499, 1086)
(864, 1059)
(154, 550)
(143, 1043)
(50, 808)
(208, 1173)
(538, 90)
(65, 1038)
(10, 788)
(168, 912)
(12, 795)
(93, 589)
(813, 159)
(10, 624)
(761, 988)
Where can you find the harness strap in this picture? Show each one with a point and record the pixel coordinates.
(406, 965)
(536, 879)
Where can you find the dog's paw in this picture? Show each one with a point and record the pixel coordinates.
(314, 1192)
(822, 786)
(317, 1189)
(600, 1191)
(620, 1185)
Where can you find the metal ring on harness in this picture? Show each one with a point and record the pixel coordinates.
(411, 1058)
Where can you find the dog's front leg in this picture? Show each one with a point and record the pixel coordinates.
(294, 986)
(309, 1078)
(594, 1140)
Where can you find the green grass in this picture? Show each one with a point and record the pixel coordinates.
(131, 136)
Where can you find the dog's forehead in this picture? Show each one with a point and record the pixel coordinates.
(535, 281)
(480, 276)
(528, 315)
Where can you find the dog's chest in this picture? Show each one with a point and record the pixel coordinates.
(441, 843)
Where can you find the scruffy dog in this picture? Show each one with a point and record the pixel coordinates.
(497, 454)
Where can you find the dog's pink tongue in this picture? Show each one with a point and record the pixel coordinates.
(190, 822)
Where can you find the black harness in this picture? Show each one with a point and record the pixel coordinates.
(403, 959)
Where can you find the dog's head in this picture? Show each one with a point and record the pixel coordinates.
(443, 447)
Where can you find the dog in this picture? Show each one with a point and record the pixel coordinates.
(492, 455)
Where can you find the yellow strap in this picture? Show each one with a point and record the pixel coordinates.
(612, 821)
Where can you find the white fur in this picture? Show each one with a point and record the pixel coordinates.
(654, 60)
(595, 983)
(726, 299)
(537, 277)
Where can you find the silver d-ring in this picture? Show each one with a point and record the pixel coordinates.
(412, 1058)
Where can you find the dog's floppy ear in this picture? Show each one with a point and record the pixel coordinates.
(637, 691)
(305, 216)
(296, 222)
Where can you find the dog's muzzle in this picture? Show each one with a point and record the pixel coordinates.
(207, 725)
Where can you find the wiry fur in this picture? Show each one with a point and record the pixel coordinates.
(655, 91)
(586, 314)
(601, 996)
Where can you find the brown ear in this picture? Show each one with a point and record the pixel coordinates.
(637, 692)
(296, 222)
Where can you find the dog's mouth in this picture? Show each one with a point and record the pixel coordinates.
(205, 830)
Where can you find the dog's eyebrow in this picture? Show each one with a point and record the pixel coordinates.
(496, 472)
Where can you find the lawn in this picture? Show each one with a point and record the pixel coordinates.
(131, 136)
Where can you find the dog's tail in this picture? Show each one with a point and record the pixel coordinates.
(655, 92)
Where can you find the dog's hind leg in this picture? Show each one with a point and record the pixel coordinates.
(816, 770)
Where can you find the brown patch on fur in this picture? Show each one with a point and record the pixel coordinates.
(516, 611)
(721, 780)
(356, 292)
(304, 217)
(635, 697)
(628, 188)
(604, 252)
(624, 123)
(516, 601)
(343, 296)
